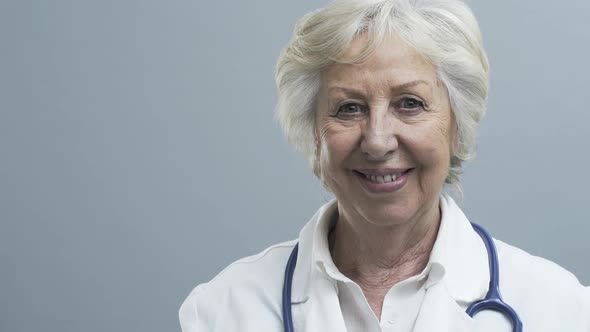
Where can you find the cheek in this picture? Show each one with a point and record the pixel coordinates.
(333, 151)
(432, 147)
(336, 145)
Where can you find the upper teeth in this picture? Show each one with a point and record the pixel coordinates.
(382, 178)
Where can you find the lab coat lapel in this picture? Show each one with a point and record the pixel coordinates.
(321, 312)
(440, 312)
(461, 258)
(314, 301)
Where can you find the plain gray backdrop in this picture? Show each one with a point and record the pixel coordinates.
(139, 155)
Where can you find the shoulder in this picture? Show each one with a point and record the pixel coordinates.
(538, 287)
(253, 273)
(528, 266)
(249, 285)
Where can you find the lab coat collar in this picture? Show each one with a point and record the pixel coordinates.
(309, 241)
(462, 254)
(459, 260)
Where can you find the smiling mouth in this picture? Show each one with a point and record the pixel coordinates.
(385, 178)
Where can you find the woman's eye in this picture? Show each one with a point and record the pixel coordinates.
(410, 105)
(348, 110)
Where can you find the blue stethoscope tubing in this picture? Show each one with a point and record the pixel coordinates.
(492, 300)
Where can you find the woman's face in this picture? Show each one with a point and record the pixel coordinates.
(384, 132)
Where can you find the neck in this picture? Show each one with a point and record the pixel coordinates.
(377, 257)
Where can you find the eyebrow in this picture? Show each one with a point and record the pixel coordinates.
(356, 92)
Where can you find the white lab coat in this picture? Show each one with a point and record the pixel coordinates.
(246, 296)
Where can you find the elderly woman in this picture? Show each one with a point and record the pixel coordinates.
(384, 98)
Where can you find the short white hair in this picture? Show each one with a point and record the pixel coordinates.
(444, 31)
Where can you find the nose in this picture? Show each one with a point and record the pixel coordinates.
(379, 139)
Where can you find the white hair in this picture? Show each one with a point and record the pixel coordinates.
(443, 31)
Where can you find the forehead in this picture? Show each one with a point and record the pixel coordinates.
(393, 62)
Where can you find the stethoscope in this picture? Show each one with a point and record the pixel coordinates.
(492, 301)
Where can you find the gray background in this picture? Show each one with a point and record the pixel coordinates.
(139, 155)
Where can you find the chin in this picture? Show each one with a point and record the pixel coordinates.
(387, 214)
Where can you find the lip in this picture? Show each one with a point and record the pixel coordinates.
(379, 188)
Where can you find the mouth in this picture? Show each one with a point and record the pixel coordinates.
(383, 180)
(382, 176)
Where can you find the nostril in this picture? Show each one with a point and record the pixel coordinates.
(377, 147)
(373, 156)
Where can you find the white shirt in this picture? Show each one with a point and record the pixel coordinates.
(246, 296)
